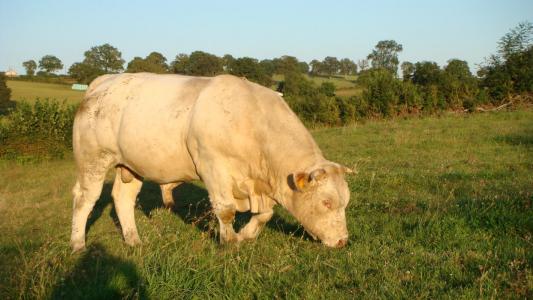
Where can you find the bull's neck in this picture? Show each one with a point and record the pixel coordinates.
(299, 153)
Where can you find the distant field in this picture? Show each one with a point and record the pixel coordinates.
(442, 208)
(29, 91)
(345, 85)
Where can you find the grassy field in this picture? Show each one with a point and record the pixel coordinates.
(29, 91)
(441, 208)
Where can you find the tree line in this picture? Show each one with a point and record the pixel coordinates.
(424, 87)
(105, 59)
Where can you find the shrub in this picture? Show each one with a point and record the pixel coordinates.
(347, 110)
(43, 129)
(382, 92)
(310, 103)
(5, 96)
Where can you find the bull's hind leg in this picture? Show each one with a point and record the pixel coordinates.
(255, 225)
(124, 195)
(166, 192)
(86, 192)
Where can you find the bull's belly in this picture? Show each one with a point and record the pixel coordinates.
(161, 163)
(152, 144)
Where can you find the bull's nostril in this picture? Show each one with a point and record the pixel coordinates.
(341, 243)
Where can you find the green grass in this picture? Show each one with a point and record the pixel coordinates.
(440, 208)
(29, 91)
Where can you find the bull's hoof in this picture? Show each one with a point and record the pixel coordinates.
(77, 246)
(228, 240)
(169, 206)
(132, 239)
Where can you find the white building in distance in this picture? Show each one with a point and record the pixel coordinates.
(11, 73)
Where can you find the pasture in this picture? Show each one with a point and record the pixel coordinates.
(29, 91)
(441, 208)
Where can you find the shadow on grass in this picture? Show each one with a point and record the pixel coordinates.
(521, 139)
(192, 206)
(99, 275)
(294, 229)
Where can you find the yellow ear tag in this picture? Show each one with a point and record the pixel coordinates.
(301, 180)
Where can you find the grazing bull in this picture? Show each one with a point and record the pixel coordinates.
(241, 139)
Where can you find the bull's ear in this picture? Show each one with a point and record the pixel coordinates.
(317, 175)
(300, 181)
(303, 181)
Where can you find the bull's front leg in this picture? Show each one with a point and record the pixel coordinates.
(255, 225)
(226, 216)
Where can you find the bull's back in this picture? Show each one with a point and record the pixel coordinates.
(142, 119)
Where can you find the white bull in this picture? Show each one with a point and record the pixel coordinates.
(241, 139)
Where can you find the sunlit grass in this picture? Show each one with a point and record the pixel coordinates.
(440, 208)
(29, 91)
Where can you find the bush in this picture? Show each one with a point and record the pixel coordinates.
(5, 96)
(43, 129)
(347, 111)
(382, 92)
(312, 104)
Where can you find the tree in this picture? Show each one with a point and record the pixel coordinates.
(180, 65)
(316, 67)
(50, 64)
(5, 92)
(309, 102)
(137, 64)
(363, 64)
(5, 96)
(83, 73)
(199, 63)
(285, 64)
(204, 64)
(155, 62)
(385, 56)
(227, 60)
(331, 65)
(408, 68)
(303, 67)
(347, 67)
(30, 66)
(457, 84)
(250, 69)
(383, 91)
(427, 73)
(511, 71)
(98, 60)
(517, 40)
(105, 58)
(268, 66)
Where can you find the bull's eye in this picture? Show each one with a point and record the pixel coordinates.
(327, 203)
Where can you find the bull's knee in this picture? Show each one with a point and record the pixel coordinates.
(226, 216)
(255, 225)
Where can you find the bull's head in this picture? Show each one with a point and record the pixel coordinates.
(319, 200)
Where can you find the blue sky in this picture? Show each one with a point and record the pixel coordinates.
(428, 30)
